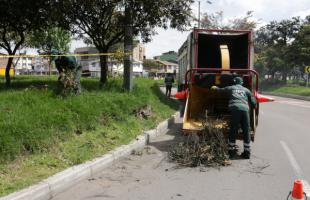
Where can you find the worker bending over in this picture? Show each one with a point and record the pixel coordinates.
(239, 98)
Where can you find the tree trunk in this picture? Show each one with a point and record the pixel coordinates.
(49, 65)
(128, 47)
(284, 77)
(7, 72)
(103, 68)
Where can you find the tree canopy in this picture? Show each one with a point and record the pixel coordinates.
(282, 47)
(216, 21)
(102, 22)
(17, 19)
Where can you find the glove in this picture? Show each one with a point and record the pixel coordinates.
(213, 87)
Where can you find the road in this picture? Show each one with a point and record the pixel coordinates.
(279, 155)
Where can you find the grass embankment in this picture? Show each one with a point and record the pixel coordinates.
(288, 88)
(42, 133)
(301, 91)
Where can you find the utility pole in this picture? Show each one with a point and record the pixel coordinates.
(128, 48)
(198, 14)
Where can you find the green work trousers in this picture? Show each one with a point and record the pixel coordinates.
(240, 117)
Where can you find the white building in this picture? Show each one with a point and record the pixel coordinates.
(23, 65)
(91, 64)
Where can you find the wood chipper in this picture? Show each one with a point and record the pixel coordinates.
(215, 57)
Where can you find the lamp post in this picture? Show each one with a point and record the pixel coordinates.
(128, 48)
(198, 14)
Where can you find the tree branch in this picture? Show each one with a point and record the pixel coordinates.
(117, 37)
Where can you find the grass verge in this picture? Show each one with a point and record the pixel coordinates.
(295, 90)
(42, 134)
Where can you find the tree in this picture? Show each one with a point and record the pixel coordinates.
(102, 22)
(142, 16)
(49, 39)
(53, 38)
(274, 41)
(17, 19)
(149, 14)
(97, 22)
(301, 48)
(216, 21)
(301, 45)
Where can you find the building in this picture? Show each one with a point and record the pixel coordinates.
(91, 64)
(42, 66)
(170, 56)
(3, 63)
(139, 52)
(161, 68)
(23, 65)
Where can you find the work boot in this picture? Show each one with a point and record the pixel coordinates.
(232, 153)
(246, 154)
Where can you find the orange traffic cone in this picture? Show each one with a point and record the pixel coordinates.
(298, 192)
(181, 95)
(262, 98)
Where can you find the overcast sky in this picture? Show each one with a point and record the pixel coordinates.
(264, 10)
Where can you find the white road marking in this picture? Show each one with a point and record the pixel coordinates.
(296, 103)
(296, 167)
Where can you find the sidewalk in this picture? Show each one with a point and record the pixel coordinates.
(174, 90)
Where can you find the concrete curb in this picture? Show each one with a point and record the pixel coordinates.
(61, 181)
(288, 96)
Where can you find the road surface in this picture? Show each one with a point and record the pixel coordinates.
(279, 155)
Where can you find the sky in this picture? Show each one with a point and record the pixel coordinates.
(264, 11)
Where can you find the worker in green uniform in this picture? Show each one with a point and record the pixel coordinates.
(239, 99)
(169, 80)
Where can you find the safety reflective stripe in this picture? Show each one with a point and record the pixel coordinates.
(246, 145)
(247, 149)
(231, 144)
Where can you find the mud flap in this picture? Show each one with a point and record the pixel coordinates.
(253, 121)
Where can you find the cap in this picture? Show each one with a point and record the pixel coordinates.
(238, 80)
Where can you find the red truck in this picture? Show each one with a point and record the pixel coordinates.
(215, 57)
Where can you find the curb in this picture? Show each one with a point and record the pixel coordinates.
(61, 181)
(292, 96)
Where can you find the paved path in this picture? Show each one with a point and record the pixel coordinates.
(173, 91)
(280, 154)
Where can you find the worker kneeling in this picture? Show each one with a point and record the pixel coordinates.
(239, 98)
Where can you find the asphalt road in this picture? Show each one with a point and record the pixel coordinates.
(279, 155)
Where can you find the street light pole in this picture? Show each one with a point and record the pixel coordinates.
(128, 48)
(198, 14)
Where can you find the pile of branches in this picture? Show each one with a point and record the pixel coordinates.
(144, 112)
(209, 149)
(69, 81)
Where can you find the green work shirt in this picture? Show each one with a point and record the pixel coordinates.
(239, 97)
(169, 81)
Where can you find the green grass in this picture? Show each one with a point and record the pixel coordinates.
(42, 133)
(291, 89)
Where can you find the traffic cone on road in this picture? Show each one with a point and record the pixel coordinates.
(181, 95)
(298, 192)
(262, 98)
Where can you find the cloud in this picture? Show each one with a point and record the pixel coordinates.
(264, 10)
(166, 40)
(302, 13)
